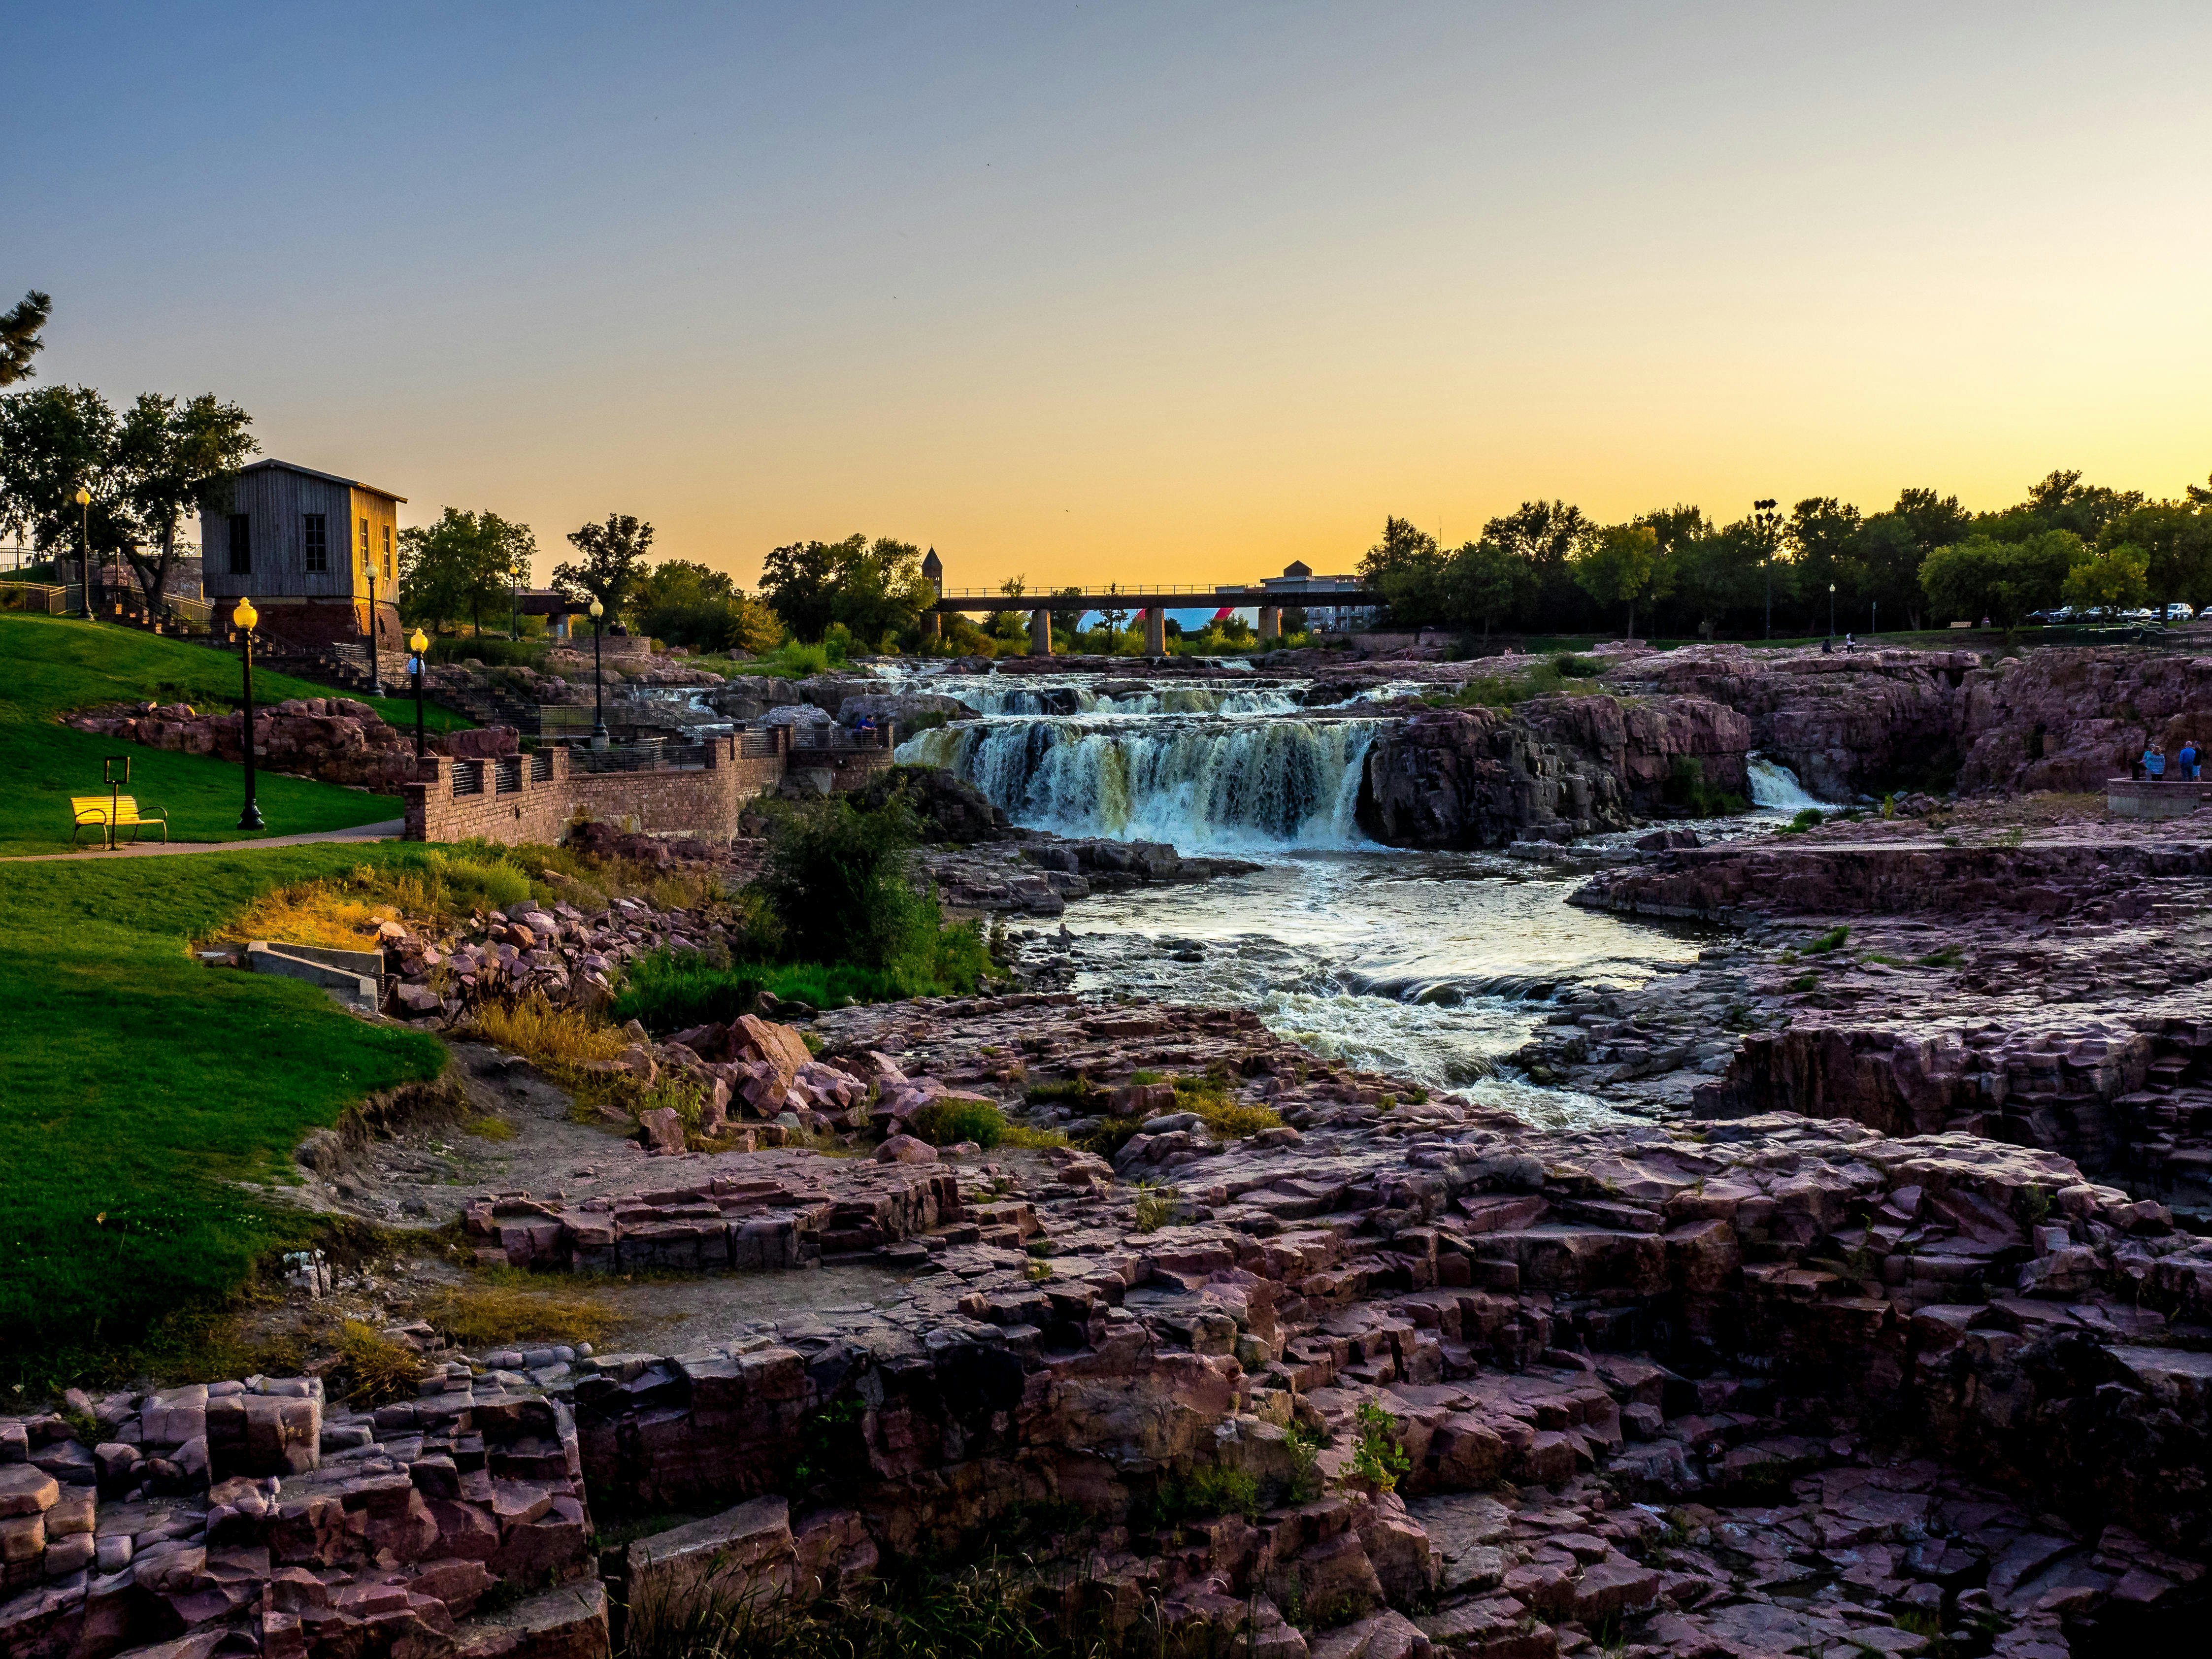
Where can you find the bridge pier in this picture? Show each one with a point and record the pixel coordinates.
(933, 626)
(1271, 623)
(1040, 632)
(1156, 631)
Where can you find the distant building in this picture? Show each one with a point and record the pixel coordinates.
(1298, 587)
(307, 548)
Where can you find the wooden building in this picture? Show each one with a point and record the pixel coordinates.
(308, 548)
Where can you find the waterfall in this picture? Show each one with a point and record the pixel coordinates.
(1775, 788)
(1197, 782)
(1051, 698)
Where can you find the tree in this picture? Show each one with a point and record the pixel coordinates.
(1825, 532)
(21, 327)
(2062, 501)
(797, 580)
(614, 559)
(1720, 570)
(2116, 577)
(174, 458)
(2175, 541)
(53, 442)
(704, 609)
(2004, 580)
(1934, 522)
(1619, 565)
(1408, 569)
(461, 564)
(1482, 580)
(1540, 535)
(876, 589)
(1067, 617)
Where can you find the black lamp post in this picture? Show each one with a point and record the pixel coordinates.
(85, 553)
(1769, 521)
(421, 670)
(376, 670)
(598, 685)
(1832, 610)
(243, 619)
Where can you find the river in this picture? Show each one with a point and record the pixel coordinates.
(1431, 965)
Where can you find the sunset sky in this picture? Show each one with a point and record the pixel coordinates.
(1175, 293)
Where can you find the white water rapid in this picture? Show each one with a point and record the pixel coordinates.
(1204, 781)
(1775, 788)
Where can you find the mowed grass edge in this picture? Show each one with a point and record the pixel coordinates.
(137, 1087)
(52, 666)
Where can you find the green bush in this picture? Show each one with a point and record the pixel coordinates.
(1686, 786)
(836, 880)
(672, 991)
(946, 1122)
(1831, 940)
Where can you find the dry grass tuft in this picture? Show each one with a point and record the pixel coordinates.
(378, 1370)
(489, 1128)
(546, 1036)
(481, 1315)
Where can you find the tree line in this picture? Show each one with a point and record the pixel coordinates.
(1547, 568)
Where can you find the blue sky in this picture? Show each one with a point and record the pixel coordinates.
(1139, 292)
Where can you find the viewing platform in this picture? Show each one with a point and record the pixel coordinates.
(2147, 797)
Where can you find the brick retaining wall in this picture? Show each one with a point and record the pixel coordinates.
(514, 805)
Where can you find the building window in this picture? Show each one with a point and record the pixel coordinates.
(315, 537)
(241, 544)
(388, 552)
(364, 541)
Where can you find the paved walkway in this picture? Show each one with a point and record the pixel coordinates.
(387, 830)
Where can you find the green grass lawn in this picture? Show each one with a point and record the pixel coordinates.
(136, 1084)
(50, 665)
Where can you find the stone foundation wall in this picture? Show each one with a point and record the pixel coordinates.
(705, 802)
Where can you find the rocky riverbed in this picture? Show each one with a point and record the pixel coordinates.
(1866, 1306)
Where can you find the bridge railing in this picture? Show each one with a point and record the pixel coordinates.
(1044, 599)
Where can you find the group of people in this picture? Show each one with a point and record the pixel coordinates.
(2187, 762)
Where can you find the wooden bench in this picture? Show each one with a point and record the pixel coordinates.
(107, 816)
(563, 721)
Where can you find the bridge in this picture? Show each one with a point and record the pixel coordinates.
(1296, 588)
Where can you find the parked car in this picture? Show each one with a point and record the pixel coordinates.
(2179, 612)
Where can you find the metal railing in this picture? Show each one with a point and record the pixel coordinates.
(507, 776)
(541, 766)
(468, 778)
(839, 737)
(641, 757)
(1045, 598)
(757, 743)
(36, 596)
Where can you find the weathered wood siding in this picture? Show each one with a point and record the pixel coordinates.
(276, 501)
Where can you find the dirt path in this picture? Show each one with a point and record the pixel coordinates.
(389, 830)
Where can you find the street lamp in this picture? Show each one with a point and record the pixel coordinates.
(420, 670)
(598, 685)
(375, 669)
(1832, 610)
(1769, 521)
(83, 499)
(243, 619)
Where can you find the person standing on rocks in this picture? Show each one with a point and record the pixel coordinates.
(2187, 761)
(2154, 763)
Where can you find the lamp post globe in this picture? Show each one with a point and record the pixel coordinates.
(418, 670)
(83, 500)
(243, 618)
(598, 685)
(1831, 610)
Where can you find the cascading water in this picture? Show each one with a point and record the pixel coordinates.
(1775, 788)
(1198, 781)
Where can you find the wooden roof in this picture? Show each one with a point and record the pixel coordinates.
(270, 462)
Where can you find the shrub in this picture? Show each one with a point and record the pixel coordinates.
(946, 1122)
(1155, 1207)
(378, 1370)
(1077, 1089)
(836, 880)
(1950, 956)
(1833, 940)
(1304, 1448)
(1021, 1134)
(669, 991)
(1686, 786)
(1376, 1456)
(1808, 818)
(1207, 1098)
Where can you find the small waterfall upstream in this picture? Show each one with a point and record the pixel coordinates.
(1196, 780)
(1775, 788)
